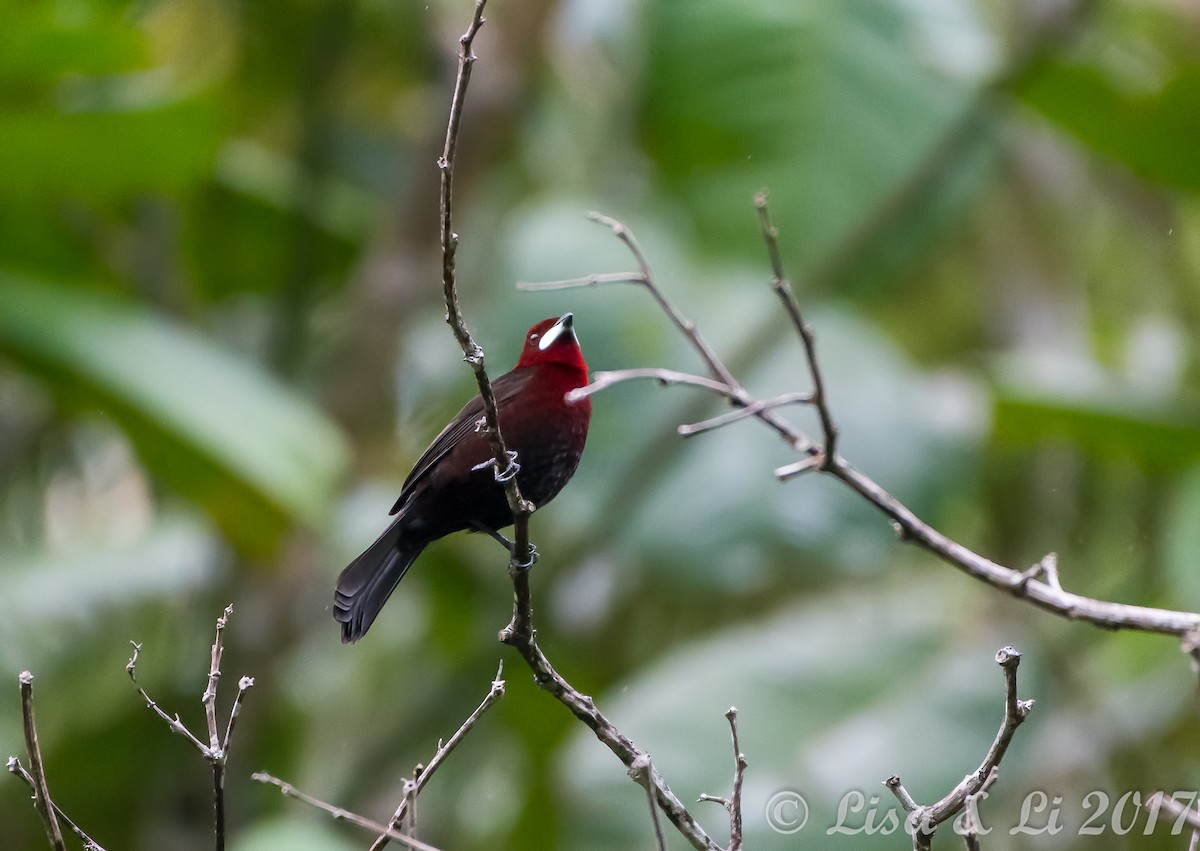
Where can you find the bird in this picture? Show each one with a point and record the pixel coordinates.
(453, 486)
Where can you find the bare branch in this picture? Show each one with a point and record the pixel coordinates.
(925, 819)
(585, 281)
(217, 749)
(209, 698)
(1024, 584)
(733, 804)
(41, 790)
(521, 635)
(970, 823)
(15, 767)
(783, 288)
(244, 685)
(744, 413)
(724, 381)
(472, 352)
(340, 814)
(1161, 802)
(640, 773)
(414, 787)
(665, 377)
(174, 722)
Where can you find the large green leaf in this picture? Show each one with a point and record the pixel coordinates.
(1154, 133)
(830, 107)
(1156, 440)
(38, 41)
(252, 453)
(106, 153)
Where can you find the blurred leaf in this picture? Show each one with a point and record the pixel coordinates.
(1181, 542)
(104, 153)
(254, 455)
(35, 43)
(1157, 441)
(177, 555)
(837, 108)
(833, 699)
(258, 172)
(1156, 134)
(893, 418)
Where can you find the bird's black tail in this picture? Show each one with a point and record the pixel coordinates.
(367, 582)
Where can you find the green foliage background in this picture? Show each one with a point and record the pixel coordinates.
(221, 348)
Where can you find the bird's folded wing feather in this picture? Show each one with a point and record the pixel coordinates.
(464, 423)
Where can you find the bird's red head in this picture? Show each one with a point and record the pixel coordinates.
(553, 341)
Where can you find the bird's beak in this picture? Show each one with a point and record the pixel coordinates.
(564, 326)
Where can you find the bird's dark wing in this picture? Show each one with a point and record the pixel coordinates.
(504, 388)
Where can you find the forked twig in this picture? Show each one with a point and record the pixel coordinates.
(925, 819)
(216, 751)
(520, 507)
(1040, 587)
(414, 786)
(733, 804)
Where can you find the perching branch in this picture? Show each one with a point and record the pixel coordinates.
(520, 632)
(472, 352)
(423, 774)
(1040, 585)
(926, 818)
(217, 749)
(521, 635)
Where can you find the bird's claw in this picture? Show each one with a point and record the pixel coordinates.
(509, 471)
(532, 558)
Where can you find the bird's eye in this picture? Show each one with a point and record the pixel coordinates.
(532, 337)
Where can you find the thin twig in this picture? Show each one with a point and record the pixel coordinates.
(783, 287)
(640, 773)
(585, 281)
(41, 790)
(340, 814)
(1048, 594)
(244, 685)
(971, 824)
(413, 787)
(1161, 802)
(523, 637)
(733, 804)
(89, 844)
(722, 377)
(217, 749)
(751, 410)
(925, 819)
(174, 722)
(666, 377)
(739, 777)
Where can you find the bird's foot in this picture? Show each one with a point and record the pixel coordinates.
(509, 471)
(533, 558)
(510, 546)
